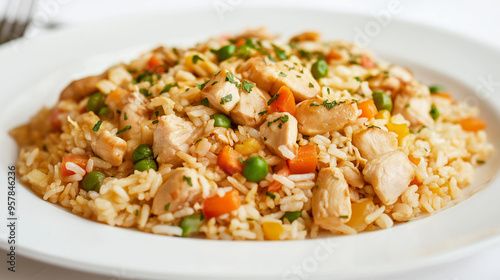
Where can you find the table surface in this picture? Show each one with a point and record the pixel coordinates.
(481, 24)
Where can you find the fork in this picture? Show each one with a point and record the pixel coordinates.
(16, 18)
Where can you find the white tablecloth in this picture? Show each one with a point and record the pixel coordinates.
(476, 19)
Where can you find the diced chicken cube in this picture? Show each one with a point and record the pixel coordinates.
(374, 142)
(331, 202)
(109, 147)
(279, 133)
(181, 188)
(270, 76)
(352, 176)
(390, 175)
(321, 116)
(172, 134)
(414, 109)
(81, 88)
(132, 115)
(222, 91)
(251, 104)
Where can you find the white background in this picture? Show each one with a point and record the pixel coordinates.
(476, 19)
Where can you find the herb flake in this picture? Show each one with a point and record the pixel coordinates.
(124, 129)
(188, 180)
(97, 126)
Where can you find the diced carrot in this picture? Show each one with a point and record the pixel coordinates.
(368, 109)
(229, 160)
(55, 119)
(414, 160)
(367, 62)
(415, 181)
(275, 185)
(154, 64)
(472, 124)
(215, 206)
(305, 161)
(240, 42)
(333, 55)
(76, 159)
(285, 101)
(443, 94)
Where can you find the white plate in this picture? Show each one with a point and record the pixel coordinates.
(33, 72)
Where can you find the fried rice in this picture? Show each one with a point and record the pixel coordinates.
(252, 137)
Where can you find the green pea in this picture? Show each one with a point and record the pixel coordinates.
(146, 164)
(93, 181)
(103, 111)
(221, 120)
(95, 102)
(142, 151)
(191, 224)
(436, 88)
(225, 52)
(382, 101)
(292, 216)
(255, 169)
(434, 112)
(319, 69)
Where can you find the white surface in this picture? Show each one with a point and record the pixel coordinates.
(445, 14)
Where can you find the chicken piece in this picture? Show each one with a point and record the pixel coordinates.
(352, 176)
(222, 91)
(109, 147)
(78, 89)
(414, 109)
(318, 116)
(172, 134)
(270, 76)
(251, 104)
(331, 202)
(135, 114)
(181, 188)
(390, 175)
(280, 130)
(374, 142)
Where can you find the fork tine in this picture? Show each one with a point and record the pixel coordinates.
(28, 18)
(21, 24)
(4, 20)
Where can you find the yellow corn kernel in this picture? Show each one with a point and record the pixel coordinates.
(383, 114)
(359, 212)
(201, 65)
(272, 230)
(248, 147)
(401, 130)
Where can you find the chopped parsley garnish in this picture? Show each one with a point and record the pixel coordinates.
(232, 79)
(328, 90)
(118, 111)
(226, 98)
(125, 116)
(283, 120)
(214, 83)
(145, 92)
(282, 74)
(407, 105)
(136, 212)
(262, 113)
(344, 217)
(298, 76)
(155, 121)
(316, 186)
(434, 112)
(97, 126)
(420, 129)
(481, 162)
(272, 99)
(200, 87)
(436, 88)
(280, 54)
(313, 104)
(167, 88)
(240, 159)
(335, 177)
(124, 129)
(358, 79)
(197, 141)
(271, 195)
(167, 206)
(197, 58)
(311, 85)
(265, 138)
(188, 180)
(204, 102)
(369, 78)
(330, 105)
(247, 86)
(386, 74)
(373, 126)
